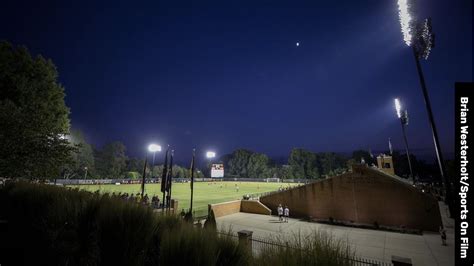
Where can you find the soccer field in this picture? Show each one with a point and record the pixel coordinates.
(204, 193)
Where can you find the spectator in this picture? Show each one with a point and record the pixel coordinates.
(138, 198)
(280, 212)
(287, 213)
(145, 200)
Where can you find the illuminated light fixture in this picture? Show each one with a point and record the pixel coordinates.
(398, 107)
(210, 154)
(154, 148)
(405, 21)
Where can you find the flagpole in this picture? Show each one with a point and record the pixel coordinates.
(390, 146)
(143, 177)
(163, 180)
(170, 181)
(192, 182)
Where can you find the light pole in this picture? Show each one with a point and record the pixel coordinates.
(151, 148)
(421, 38)
(403, 116)
(192, 182)
(209, 155)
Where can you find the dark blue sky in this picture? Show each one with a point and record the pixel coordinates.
(228, 74)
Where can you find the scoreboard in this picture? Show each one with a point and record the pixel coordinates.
(217, 170)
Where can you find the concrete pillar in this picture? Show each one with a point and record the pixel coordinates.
(245, 239)
(174, 205)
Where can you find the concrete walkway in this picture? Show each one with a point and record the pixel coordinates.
(423, 249)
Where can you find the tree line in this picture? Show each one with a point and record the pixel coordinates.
(111, 161)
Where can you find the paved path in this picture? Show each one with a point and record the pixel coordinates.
(423, 249)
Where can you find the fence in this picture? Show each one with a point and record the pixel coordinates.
(123, 181)
(268, 180)
(260, 245)
(179, 180)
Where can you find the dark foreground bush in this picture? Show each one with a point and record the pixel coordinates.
(318, 248)
(48, 225)
(58, 226)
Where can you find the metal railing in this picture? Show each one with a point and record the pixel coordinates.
(260, 245)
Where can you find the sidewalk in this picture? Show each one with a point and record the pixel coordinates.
(423, 249)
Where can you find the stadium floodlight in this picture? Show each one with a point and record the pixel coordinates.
(151, 148)
(419, 36)
(398, 107)
(210, 154)
(405, 20)
(403, 116)
(154, 148)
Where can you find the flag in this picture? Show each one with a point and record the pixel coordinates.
(192, 171)
(170, 173)
(390, 146)
(165, 172)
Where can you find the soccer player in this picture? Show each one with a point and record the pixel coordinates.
(287, 213)
(280, 212)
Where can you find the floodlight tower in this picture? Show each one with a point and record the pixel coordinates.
(403, 116)
(420, 37)
(151, 148)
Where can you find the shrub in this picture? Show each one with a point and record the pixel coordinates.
(319, 248)
(62, 226)
(133, 175)
(210, 221)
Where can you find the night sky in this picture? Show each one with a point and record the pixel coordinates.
(228, 74)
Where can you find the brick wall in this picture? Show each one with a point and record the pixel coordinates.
(254, 206)
(230, 207)
(364, 196)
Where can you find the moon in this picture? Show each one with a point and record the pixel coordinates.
(297, 44)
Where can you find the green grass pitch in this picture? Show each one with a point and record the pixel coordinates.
(204, 193)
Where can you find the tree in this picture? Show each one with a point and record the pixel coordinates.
(239, 162)
(303, 164)
(248, 164)
(135, 165)
(111, 161)
(358, 155)
(258, 166)
(283, 171)
(33, 116)
(133, 175)
(82, 157)
(330, 163)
